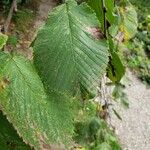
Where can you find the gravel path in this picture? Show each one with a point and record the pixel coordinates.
(134, 130)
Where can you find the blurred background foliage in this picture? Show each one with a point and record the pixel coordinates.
(137, 50)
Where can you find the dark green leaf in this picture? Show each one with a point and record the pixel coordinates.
(9, 139)
(40, 117)
(116, 69)
(68, 50)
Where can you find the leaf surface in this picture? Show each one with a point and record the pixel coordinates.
(116, 69)
(98, 6)
(40, 117)
(129, 22)
(68, 49)
(3, 40)
(9, 139)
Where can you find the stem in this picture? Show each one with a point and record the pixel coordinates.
(105, 21)
(10, 14)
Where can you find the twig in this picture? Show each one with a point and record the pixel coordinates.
(10, 14)
(105, 21)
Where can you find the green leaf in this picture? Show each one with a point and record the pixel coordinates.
(9, 139)
(40, 117)
(109, 4)
(68, 51)
(85, 94)
(103, 146)
(3, 40)
(113, 141)
(116, 69)
(96, 5)
(129, 21)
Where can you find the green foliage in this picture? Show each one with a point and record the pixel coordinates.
(115, 70)
(71, 54)
(138, 53)
(110, 8)
(3, 40)
(23, 19)
(96, 135)
(129, 21)
(80, 56)
(96, 5)
(142, 8)
(9, 139)
(138, 60)
(6, 2)
(12, 40)
(100, 8)
(41, 117)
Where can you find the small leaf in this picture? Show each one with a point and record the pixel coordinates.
(129, 21)
(109, 4)
(117, 114)
(97, 6)
(116, 69)
(103, 146)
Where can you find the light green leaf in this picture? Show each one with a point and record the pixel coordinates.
(3, 40)
(129, 21)
(40, 117)
(68, 51)
(109, 4)
(98, 6)
(103, 146)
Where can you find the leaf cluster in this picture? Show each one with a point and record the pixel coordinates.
(72, 51)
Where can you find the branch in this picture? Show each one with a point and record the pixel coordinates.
(8, 20)
(105, 22)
